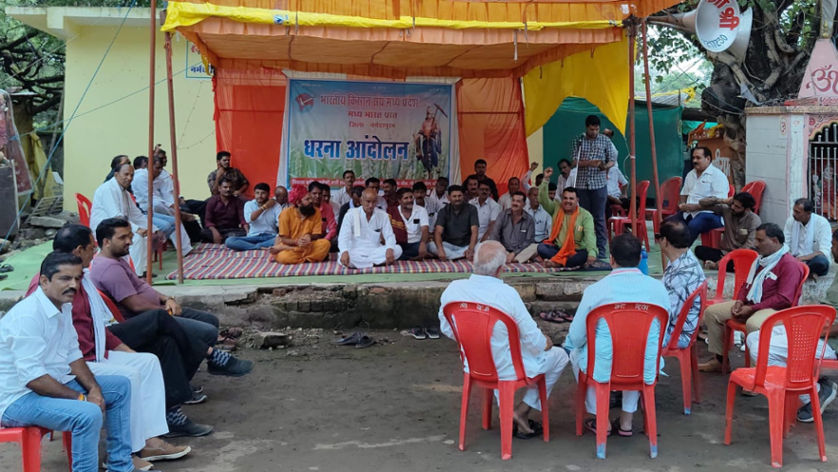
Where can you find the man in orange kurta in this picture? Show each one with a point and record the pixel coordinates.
(300, 232)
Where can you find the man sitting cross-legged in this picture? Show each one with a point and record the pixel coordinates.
(537, 351)
(300, 231)
(514, 229)
(770, 286)
(455, 233)
(262, 214)
(107, 354)
(624, 284)
(366, 237)
(44, 380)
(224, 215)
(572, 240)
(410, 225)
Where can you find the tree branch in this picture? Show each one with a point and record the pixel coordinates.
(26, 37)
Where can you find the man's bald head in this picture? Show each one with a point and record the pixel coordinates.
(368, 200)
(489, 258)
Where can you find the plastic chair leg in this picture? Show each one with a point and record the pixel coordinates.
(488, 395)
(790, 409)
(651, 419)
(603, 398)
(695, 376)
(31, 448)
(686, 380)
(581, 388)
(727, 342)
(731, 396)
(776, 413)
(464, 410)
(67, 440)
(507, 397)
(545, 408)
(816, 411)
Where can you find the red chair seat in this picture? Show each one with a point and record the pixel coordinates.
(29, 439)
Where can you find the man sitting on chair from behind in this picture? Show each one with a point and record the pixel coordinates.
(537, 352)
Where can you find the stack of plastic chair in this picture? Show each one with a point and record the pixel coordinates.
(733, 325)
(688, 356)
(29, 438)
(616, 224)
(670, 190)
(472, 324)
(632, 322)
(782, 385)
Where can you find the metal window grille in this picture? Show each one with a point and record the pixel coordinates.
(823, 171)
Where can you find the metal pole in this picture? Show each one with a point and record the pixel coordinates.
(658, 196)
(632, 34)
(175, 178)
(152, 46)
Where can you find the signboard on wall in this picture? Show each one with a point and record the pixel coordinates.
(195, 67)
(377, 129)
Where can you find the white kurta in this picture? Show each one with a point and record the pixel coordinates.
(163, 202)
(113, 201)
(362, 238)
(816, 236)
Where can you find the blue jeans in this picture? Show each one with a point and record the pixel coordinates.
(700, 223)
(547, 251)
(818, 265)
(200, 324)
(164, 223)
(409, 251)
(84, 421)
(251, 243)
(595, 202)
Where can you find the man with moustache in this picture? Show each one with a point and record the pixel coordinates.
(344, 194)
(366, 237)
(455, 233)
(262, 214)
(300, 236)
(740, 227)
(705, 180)
(410, 226)
(514, 229)
(572, 242)
(224, 215)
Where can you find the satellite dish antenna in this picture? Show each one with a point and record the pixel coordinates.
(719, 25)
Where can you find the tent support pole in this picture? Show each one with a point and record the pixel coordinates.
(632, 35)
(152, 45)
(175, 178)
(655, 176)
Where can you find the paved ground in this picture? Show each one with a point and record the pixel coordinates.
(395, 406)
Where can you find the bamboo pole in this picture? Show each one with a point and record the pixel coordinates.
(175, 178)
(632, 34)
(152, 45)
(655, 176)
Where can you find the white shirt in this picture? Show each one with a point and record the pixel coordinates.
(543, 222)
(36, 339)
(486, 213)
(112, 201)
(711, 183)
(495, 293)
(266, 222)
(432, 207)
(414, 222)
(335, 207)
(359, 233)
(163, 201)
(441, 201)
(615, 180)
(340, 196)
(820, 240)
(563, 182)
(505, 201)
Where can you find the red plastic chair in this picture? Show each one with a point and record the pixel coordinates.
(731, 191)
(732, 326)
(616, 224)
(782, 385)
(633, 321)
(670, 190)
(29, 438)
(472, 324)
(756, 189)
(742, 259)
(84, 205)
(112, 306)
(688, 356)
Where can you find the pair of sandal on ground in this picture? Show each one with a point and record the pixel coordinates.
(358, 339)
(590, 425)
(556, 316)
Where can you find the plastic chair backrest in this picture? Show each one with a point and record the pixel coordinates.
(731, 190)
(84, 205)
(671, 190)
(701, 292)
(742, 259)
(472, 324)
(632, 322)
(804, 326)
(642, 191)
(112, 306)
(799, 292)
(755, 188)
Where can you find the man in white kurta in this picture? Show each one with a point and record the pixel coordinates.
(164, 201)
(112, 200)
(366, 237)
(809, 237)
(537, 352)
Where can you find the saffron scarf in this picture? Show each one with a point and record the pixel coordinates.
(568, 248)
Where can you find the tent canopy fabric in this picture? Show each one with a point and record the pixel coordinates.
(402, 38)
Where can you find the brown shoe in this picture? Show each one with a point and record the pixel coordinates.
(140, 464)
(163, 452)
(713, 365)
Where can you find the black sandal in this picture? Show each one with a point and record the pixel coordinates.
(590, 425)
(552, 316)
(537, 430)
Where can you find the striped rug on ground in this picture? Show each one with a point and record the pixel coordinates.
(215, 261)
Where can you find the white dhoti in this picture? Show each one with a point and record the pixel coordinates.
(630, 397)
(148, 392)
(551, 363)
(452, 252)
(365, 257)
(139, 253)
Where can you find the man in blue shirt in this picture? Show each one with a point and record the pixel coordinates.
(262, 214)
(624, 284)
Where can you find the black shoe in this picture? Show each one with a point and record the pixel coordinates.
(233, 368)
(188, 428)
(826, 395)
(432, 333)
(197, 398)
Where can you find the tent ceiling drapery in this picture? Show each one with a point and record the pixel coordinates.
(401, 38)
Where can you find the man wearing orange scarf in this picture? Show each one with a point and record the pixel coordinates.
(572, 242)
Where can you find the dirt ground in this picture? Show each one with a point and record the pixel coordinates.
(395, 407)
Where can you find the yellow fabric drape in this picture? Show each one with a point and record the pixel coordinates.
(36, 159)
(601, 78)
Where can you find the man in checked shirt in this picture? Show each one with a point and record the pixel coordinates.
(593, 154)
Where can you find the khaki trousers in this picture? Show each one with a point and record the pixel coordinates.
(715, 316)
